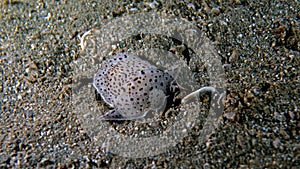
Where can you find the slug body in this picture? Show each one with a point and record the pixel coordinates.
(132, 87)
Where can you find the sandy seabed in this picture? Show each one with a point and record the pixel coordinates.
(258, 43)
